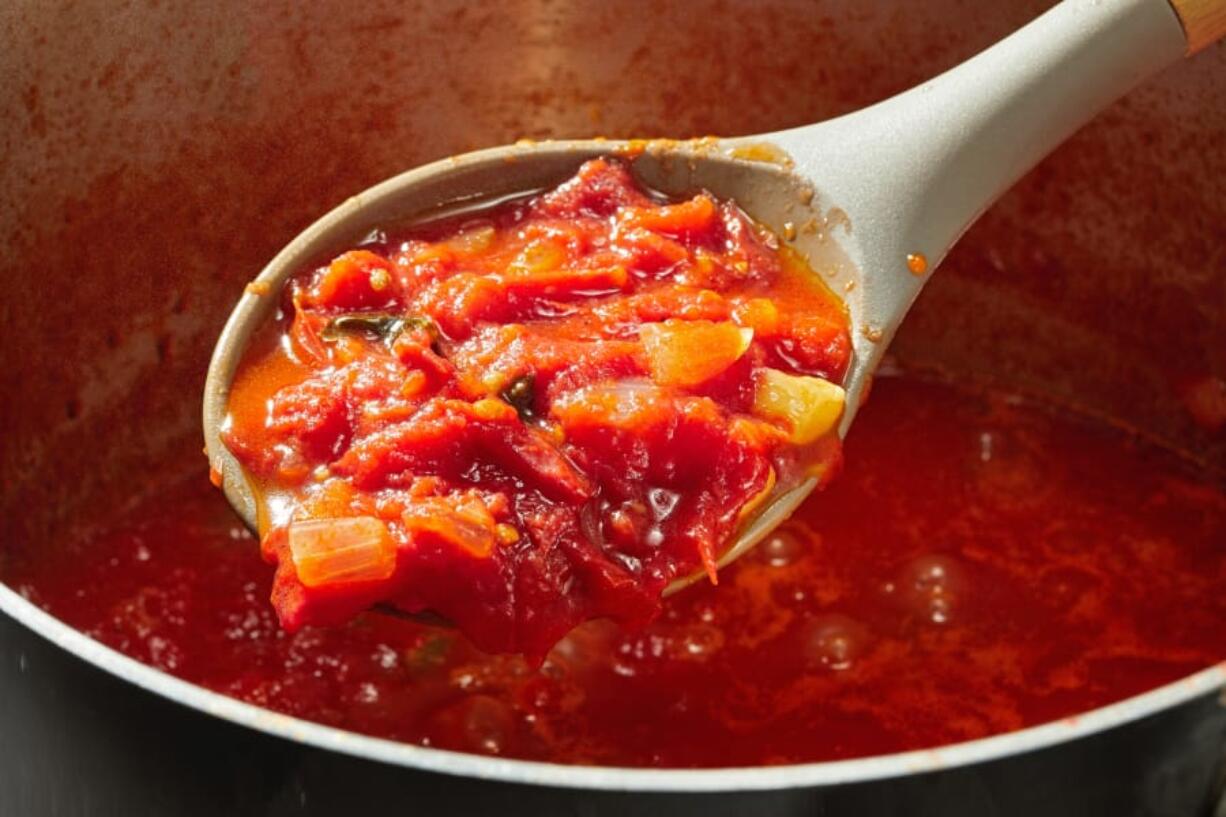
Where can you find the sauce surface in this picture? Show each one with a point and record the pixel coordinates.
(529, 416)
(981, 565)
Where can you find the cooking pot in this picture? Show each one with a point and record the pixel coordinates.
(156, 154)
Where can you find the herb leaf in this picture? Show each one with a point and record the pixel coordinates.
(522, 395)
(414, 322)
(382, 325)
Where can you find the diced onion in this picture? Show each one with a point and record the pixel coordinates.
(538, 256)
(467, 525)
(474, 240)
(349, 549)
(807, 406)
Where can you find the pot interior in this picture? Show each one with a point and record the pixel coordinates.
(154, 157)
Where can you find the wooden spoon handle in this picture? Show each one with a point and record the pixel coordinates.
(1203, 21)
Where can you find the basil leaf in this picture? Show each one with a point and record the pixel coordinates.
(382, 325)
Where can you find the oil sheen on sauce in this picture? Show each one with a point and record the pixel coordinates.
(980, 566)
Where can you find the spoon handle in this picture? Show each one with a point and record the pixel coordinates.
(913, 172)
(924, 164)
(1203, 21)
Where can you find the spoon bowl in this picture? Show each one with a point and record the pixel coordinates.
(874, 199)
(731, 169)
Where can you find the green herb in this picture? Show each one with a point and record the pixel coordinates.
(522, 395)
(378, 324)
(422, 322)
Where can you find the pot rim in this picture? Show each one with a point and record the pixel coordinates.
(611, 778)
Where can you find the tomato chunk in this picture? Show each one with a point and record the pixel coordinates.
(357, 279)
(686, 353)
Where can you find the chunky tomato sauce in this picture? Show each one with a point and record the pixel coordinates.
(978, 567)
(539, 414)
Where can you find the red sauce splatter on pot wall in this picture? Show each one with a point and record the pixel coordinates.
(979, 566)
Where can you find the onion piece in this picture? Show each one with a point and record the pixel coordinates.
(807, 406)
(349, 549)
(466, 524)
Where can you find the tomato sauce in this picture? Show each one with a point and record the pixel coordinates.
(533, 415)
(981, 565)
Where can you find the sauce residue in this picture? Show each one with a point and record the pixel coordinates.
(917, 263)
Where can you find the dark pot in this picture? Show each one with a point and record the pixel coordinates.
(155, 156)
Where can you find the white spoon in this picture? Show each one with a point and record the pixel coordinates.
(875, 198)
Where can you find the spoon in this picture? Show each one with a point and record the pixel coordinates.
(875, 199)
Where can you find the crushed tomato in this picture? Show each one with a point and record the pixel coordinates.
(542, 412)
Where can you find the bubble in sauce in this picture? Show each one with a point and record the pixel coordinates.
(834, 641)
(781, 548)
(932, 587)
(663, 502)
(693, 641)
(698, 641)
(476, 723)
(1006, 472)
